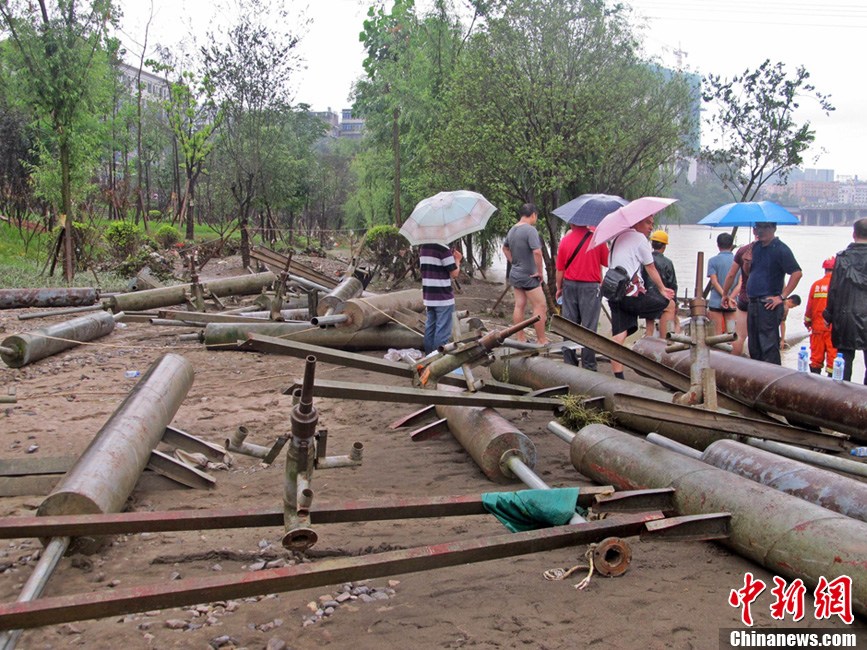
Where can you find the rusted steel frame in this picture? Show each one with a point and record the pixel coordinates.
(173, 469)
(690, 528)
(539, 372)
(675, 379)
(726, 424)
(783, 533)
(827, 489)
(106, 472)
(29, 347)
(801, 396)
(63, 609)
(273, 345)
(359, 510)
(280, 262)
(351, 390)
(47, 297)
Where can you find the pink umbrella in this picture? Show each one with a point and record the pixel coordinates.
(622, 219)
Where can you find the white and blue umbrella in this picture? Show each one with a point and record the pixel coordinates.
(447, 216)
(749, 214)
(589, 209)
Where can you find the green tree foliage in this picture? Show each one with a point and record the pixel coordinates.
(550, 101)
(756, 134)
(61, 48)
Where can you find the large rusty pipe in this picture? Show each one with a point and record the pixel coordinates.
(490, 439)
(376, 310)
(166, 296)
(781, 532)
(539, 372)
(806, 397)
(827, 489)
(348, 288)
(106, 472)
(225, 336)
(41, 343)
(47, 297)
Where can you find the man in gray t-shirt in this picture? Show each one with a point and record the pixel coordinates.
(523, 250)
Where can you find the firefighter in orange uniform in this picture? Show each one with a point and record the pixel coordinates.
(822, 352)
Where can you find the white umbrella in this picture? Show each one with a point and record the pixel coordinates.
(447, 216)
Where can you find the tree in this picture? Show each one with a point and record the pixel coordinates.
(251, 67)
(61, 50)
(756, 135)
(551, 100)
(193, 119)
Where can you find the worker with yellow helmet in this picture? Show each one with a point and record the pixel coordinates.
(659, 241)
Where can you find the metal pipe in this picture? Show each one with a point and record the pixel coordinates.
(238, 444)
(352, 459)
(805, 397)
(47, 341)
(783, 533)
(377, 310)
(225, 336)
(36, 583)
(47, 297)
(107, 471)
(348, 288)
(827, 489)
(176, 295)
(673, 445)
(61, 312)
(813, 457)
(538, 373)
(332, 319)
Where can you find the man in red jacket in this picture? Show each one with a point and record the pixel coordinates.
(822, 351)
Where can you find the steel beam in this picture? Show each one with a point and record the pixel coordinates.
(723, 423)
(64, 609)
(351, 390)
(165, 465)
(674, 379)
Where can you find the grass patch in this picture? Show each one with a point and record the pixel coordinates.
(577, 416)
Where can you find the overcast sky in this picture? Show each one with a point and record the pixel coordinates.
(827, 37)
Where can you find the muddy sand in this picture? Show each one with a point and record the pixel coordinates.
(674, 595)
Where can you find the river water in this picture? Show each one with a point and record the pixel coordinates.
(810, 244)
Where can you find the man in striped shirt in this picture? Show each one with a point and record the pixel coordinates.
(438, 266)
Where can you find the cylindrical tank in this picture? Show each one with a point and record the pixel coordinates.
(349, 287)
(806, 397)
(372, 311)
(785, 534)
(47, 341)
(225, 336)
(106, 472)
(47, 297)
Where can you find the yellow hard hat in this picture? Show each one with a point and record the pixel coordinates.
(659, 235)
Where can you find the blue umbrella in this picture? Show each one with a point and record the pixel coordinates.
(749, 214)
(589, 209)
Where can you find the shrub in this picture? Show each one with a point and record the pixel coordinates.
(167, 236)
(388, 253)
(123, 239)
(155, 215)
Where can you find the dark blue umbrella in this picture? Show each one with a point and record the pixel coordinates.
(589, 209)
(749, 214)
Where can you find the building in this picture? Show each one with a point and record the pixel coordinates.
(854, 193)
(350, 126)
(331, 120)
(152, 87)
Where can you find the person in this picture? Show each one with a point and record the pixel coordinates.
(438, 265)
(846, 312)
(735, 294)
(772, 262)
(579, 273)
(631, 251)
(822, 350)
(792, 301)
(523, 250)
(717, 270)
(658, 243)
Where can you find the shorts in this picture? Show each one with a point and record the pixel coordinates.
(625, 313)
(743, 305)
(525, 283)
(721, 310)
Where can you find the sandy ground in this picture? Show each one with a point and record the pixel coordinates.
(674, 595)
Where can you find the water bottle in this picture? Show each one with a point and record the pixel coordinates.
(839, 364)
(861, 452)
(803, 360)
